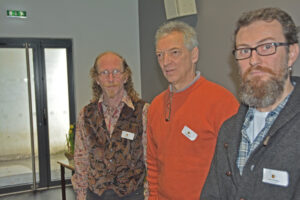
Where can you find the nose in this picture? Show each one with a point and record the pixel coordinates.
(166, 59)
(110, 77)
(255, 59)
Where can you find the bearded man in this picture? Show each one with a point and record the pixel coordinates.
(110, 133)
(258, 149)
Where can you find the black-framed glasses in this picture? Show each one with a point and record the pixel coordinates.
(265, 49)
(115, 73)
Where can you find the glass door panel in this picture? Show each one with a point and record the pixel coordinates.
(15, 141)
(58, 107)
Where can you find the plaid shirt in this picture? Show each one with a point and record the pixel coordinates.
(246, 147)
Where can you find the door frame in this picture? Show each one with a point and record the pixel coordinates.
(38, 45)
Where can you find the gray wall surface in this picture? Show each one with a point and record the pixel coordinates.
(215, 24)
(128, 27)
(94, 25)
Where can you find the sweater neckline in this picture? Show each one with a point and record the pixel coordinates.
(188, 89)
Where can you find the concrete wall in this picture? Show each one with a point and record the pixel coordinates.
(214, 23)
(94, 25)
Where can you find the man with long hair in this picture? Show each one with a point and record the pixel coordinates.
(110, 133)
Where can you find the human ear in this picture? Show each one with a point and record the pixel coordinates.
(293, 54)
(195, 54)
(125, 79)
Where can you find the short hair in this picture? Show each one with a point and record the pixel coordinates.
(189, 33)
(128, 86)
(268, 15)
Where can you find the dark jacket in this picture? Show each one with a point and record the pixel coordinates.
(281, 152)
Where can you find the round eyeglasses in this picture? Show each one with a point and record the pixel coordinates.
(265, 49)
(115, 73)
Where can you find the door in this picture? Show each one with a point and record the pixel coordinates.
(36, 109)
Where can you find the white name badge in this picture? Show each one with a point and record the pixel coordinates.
(127, 135)
(189, 133)
(275, 177)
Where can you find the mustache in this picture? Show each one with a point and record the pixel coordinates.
(110, 85)
(258, 68)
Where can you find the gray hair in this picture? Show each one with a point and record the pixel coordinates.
(189, 33)
(268, 15)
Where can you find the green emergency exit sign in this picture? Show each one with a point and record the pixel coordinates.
(16, 13)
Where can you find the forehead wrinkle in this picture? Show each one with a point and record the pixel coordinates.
(109, 61)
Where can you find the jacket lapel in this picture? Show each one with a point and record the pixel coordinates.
(234, 141)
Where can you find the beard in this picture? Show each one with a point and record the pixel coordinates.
(112, 90)
(259, 93)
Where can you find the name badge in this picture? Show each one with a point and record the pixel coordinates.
(275, 177)
(189, 133)
(127, 135)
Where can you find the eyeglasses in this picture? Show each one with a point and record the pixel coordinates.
(262, 50)
(172, 53)
(115, 73)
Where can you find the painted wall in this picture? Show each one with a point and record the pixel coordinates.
(215, 24)
(94, 25)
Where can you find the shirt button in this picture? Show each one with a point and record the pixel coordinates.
(252, 167)
(110, 160)
(228, 173)
(225, 145)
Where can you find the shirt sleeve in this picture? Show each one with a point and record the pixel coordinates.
(81, 162)
(152, 170)
(144, 141)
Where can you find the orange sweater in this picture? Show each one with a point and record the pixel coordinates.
(178, 166)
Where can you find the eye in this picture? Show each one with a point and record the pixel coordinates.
(116, 72)
(104, 73)
(159, 55)
(175, 52)
(267, 46)
(243, 51)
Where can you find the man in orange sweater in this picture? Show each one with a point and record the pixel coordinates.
(184, 120)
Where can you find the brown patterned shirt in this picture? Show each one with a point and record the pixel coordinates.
(103, 158)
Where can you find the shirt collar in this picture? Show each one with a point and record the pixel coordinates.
(195, 79)
(250, 113)
(125, 99)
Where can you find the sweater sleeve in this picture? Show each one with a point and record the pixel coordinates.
(152, 173)
(226, 108)
(79, 179)
(296, 194)
(144, 141)
(210, 189)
